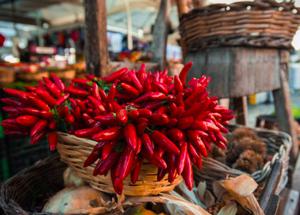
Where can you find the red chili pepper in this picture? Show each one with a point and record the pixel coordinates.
(115, 75)
(58, 82)
(172, 168)
(194, 97)
(136, 82)
(185, 122)
(221, 145)
(161, 173)
(141, 74)
(129, 89)
(26, 120)
(16, 93)
(103, 166)
(38, 103)
(130, 135)
(38, 127)
(44, 95)
(37, 137)
(112, 92)
(77, 92)
(160, 119)
(53, 89)
(82, 81)
(156, 160)
(62, 99)
(161, 87)
(194, 110)
(125, 163)
(198, 143)
(95, 92)
(188, 174)
(147, 144)
(163, 141)
(175, 134)
(178, 84)
(133, 114)
(182, 156)
(142, 125)
(184, 72)
(193, 153)
(97, 104)
(144, 112)
(117, 184)
(52, 125)
(11, 110)
(11, 102)
(107, 134)
(52, 140)
(136, 170)
(173, 122)
(30, 88)
(121, 116)
(94, 155)
(107, 149)
(34, 112)
(87, 132)
(199, 124)
(151, 96)
(152, 105)
(102, 94)
(70, 118)
(106, 119)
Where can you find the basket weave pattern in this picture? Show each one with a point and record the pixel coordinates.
(278, 145)
(74, 151)
(263, 23)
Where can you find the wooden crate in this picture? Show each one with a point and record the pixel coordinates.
(237, 72)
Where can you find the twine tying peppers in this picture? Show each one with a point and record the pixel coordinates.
(134, 117)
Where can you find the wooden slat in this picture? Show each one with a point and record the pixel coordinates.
(283, 111)
(96, 39)
(289, 203)
(237, 71)
(160, 34)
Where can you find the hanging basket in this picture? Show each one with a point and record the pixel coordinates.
(74, 151)
(262, 23)
(278, 146)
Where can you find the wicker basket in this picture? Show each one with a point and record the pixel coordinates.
(32, 187)
(262, 23)
(6, 75)
(278, 144)
(66, 74)
(26, 76)
(74, 151)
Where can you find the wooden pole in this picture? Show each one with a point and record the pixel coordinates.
(241, 108)
(160, 34)
(96, 52)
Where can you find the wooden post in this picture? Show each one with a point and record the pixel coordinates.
(160, 34)
(96, 52)
(241, 108)
(283, 106)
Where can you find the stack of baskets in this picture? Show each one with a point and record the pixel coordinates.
(262, 23)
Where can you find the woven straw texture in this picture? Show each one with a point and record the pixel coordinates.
(278, 144)
(262, 23)
(74, 151)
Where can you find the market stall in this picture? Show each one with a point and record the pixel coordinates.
(130, 137)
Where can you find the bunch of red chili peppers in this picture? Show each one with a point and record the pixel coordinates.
(134, 117)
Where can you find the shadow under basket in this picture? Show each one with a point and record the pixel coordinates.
(278, 146)
(74, 151)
